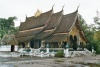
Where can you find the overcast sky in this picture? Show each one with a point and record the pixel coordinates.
(20, 8)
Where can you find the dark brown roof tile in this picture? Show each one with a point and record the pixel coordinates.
(64, 27)
(28, 32)
(55, 19)
(34, 22)
(66, 23)
(24, 39)
(56, 38)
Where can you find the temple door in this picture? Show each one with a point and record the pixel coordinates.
(36, 44)
(32, 44)
(12, 48)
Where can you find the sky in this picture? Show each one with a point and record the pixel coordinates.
(21, 8)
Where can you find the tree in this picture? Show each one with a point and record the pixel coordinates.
(85, 27)
(7, 26)
(97, 32)
(92, 33)
(97, 24)
(97, 20)
(88, 30)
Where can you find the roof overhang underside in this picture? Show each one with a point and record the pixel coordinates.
(56, 38)
(28, 32)
(24, 39)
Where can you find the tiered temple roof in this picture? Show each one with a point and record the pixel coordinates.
(65, 26)
(32, 26)
(49, 26)
(34, 22)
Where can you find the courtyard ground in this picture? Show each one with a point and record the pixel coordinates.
(50, 62)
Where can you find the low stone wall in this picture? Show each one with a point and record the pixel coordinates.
(7, 48)
(52, 49)
(46, 52)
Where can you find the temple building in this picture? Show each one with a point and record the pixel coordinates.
(55, 29)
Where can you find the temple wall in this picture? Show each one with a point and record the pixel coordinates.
(74, 31)
(66, 39)
(81, 40)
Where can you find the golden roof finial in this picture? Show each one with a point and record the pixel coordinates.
(38, 13)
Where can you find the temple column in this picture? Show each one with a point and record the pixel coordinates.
(68, 40)
(66, 51)
(78, 39)
(59, 44)
(47, 46)
(28, 44)
(23, 45)
(42, 44)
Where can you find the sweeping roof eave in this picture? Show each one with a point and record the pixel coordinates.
(56, 38)
(67, 22)
(51, 26)
(24, 39)
(29, 32)
(34, 22)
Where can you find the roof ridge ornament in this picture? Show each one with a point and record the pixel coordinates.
(20, 21)
(78, 7)
(62, 9)
(38, 13)
(26, 16)
(53, 6)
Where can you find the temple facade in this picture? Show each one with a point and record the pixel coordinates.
(55, 29)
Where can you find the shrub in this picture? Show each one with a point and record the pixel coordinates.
(98, 48)
(59, 54)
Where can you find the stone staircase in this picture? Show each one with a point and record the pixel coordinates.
(86, 52)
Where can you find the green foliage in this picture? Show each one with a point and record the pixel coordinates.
(89, 31)
(97, 35)
(98, 48)
(7, 26)
(59, 54)
(92, 33)
(97, 20)
(89, 47)
(97, 32)
(83, 23)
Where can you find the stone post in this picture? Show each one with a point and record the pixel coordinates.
(92, 49)
(35, 53)
(67, 51)
(42, 44)
(47, 46)
(28, 44)
(42, 54)
(53, 54)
